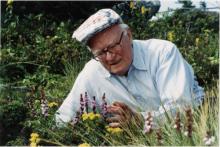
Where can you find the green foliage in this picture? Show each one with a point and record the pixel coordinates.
(28, 45)
(12, 113)
(58, 10)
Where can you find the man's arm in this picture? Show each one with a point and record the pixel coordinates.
(174, 76)
(175, 82)
(71, 104)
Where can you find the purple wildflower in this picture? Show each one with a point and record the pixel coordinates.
(189, 123)
(148, 125)
(159, 137)
(94, 105)
(86, 102)
(81, 104)
(104, 106)
(178, 124)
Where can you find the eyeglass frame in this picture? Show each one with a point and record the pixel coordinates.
(108, 49)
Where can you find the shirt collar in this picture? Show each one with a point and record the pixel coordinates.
(106, 73)
(137, 62)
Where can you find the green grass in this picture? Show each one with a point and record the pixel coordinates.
(205, 119)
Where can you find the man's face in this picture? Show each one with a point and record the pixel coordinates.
(112, 47)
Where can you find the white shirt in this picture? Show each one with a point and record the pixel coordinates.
(158, 75)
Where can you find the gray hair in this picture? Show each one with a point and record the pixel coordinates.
(124, 26)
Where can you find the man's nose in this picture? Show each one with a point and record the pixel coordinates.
(109, 56)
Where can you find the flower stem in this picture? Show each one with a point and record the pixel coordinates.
(52, 142)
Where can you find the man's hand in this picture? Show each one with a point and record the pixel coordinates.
(122, 115)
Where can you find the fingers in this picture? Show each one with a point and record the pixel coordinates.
(115, 110)
(120, 104)
(114, 125)
(122, 115)
(120, 109)
(117, 103)
(115, 121)
(123, 106)
(116, 118)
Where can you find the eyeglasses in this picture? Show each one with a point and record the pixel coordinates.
(100, 56)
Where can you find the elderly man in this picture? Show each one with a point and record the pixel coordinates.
(137, 76)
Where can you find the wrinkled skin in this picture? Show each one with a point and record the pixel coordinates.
(119, 62)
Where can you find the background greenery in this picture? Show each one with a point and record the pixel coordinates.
(38, 54)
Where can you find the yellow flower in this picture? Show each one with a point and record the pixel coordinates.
(34, 139)
(85, 116)
(132, 5)
(144, 10)
(109, 129)
(197, 42)
(52, 104)
(34, 135)
(84, 145)
(9, 2)
(33, 144)
(114, 130)
(93, 116)
(117, 130)
(90, 116)
(97, 115)
(170, 36)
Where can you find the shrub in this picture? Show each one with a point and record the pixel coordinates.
(12, 114)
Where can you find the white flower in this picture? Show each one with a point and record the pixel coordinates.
(181, 124)
(208, 142)
(175, 126)
(205, 139)
(186, 133)
(161, 141)
(212, 139)
(147, 128)
(44, 108)
(74, 121)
